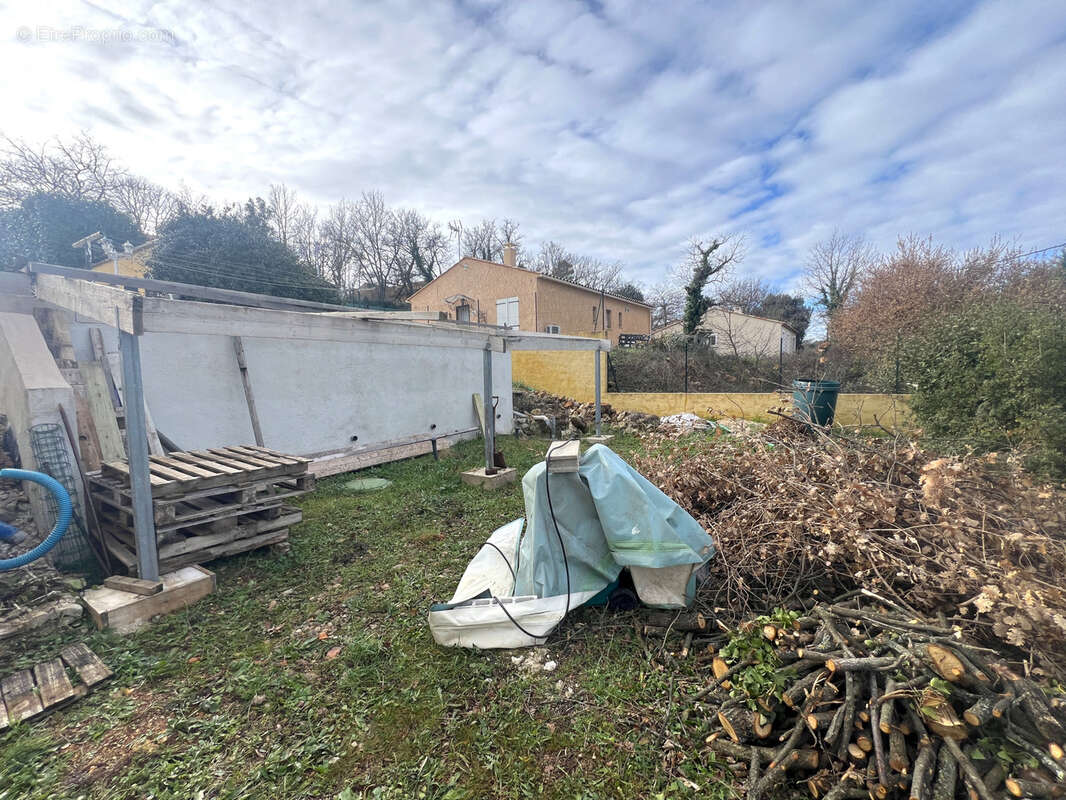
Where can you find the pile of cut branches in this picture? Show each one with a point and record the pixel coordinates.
(848, 701)
(798, 514)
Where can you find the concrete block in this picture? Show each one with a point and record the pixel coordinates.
(125, 612)
(477, 477)
(602, 439)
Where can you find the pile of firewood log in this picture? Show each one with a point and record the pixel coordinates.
(858, 699)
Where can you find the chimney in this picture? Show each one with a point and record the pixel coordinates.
(509, 253)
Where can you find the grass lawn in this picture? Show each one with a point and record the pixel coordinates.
(314, 675)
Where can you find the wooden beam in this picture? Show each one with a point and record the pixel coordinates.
(162, 315)
(249, 397)
(105, 304)
(185, 289)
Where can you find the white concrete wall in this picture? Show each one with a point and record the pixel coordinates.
(312, 397)
(31, 392)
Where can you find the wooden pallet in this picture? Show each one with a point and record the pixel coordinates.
(194, 470)
(115, 502)
(31, 693)
(248, 531)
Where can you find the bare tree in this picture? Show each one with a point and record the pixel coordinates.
(79, 169)
(709, 262)
(335, 248)
(667, 300)
(377, 250)
(483, 241)
(305, 238)
(747, 294)
(150, 204)
(282, 210)
(834, 269)
(423, 248)
(553, 259)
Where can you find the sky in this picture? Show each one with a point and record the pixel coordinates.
(620, 128)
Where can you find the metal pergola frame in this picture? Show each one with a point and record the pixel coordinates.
(103, 298)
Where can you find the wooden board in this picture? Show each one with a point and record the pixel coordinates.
(21, 701)
(125, 612)
(53, 685)
(86, 663)
(479, 409)
(345, 462)
(98, 397)
(564, 456)
(88, 440)
(134, 585)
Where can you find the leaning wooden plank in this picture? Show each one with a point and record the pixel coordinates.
(98, 397)
(347, 462)
(249, 395)
(88, 439)
(52, 683)
(125, 555)
(21, 701)
(85, 662)
(101, 303)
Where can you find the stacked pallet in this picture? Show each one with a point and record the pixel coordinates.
(206, 503)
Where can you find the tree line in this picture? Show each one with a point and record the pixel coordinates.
(355, 249)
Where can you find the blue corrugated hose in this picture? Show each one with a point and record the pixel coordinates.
(62, 521)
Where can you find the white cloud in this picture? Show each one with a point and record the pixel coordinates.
(621, 129)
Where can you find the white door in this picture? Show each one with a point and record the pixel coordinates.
(507, 312)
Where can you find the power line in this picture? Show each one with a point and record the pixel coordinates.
(248, 276)
(1038, 252)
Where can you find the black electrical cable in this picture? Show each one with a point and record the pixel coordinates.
(566, 561)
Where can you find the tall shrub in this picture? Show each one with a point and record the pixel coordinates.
(994, 375)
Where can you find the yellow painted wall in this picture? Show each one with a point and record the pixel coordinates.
(566, 373)
(569, 374)
(132, 266)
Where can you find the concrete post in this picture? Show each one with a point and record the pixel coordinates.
(137, 439)
(596, 361)
(490, 415)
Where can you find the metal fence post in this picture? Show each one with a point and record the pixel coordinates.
(137, 440)
(596, 381)
(490, 414)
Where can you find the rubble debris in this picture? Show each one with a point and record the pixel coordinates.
(796, 512)
(685, 423)
(572, 419)
(861, 698)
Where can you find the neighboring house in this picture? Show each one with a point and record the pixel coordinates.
(476, 291)
(131, 262)
(734, 333)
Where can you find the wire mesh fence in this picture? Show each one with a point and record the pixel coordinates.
(74, 552)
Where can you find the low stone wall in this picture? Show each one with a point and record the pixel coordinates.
(570, 374)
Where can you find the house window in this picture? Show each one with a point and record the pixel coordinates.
(711, 339)
(594, 318)
(462, 313)
(608, 319)
(507, 312)
(551, 328)
(619, 320)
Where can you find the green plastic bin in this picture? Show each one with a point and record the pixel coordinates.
(815, 401)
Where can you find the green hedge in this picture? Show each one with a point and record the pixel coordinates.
(993, 376)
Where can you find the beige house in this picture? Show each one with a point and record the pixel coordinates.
(485, 292)
(734, 333)
(131, 262)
